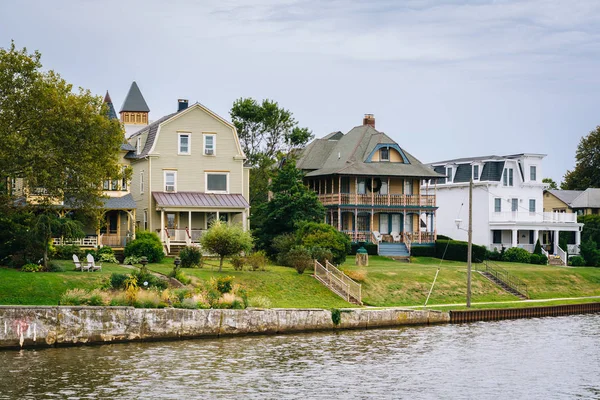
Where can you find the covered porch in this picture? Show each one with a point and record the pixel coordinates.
(184, 217)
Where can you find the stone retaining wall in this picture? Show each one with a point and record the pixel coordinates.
(29, 326)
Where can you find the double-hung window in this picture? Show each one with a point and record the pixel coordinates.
(449, 174)
(532, 173)
(384, 154)
(185, 145)
(210, 145)
(532, 205)
(141, 181)
(170, 181)
(507, 177)
(138, 145)
(475, 172)
(361, 189)
(217, 182)
(514, 205)
(497, 205)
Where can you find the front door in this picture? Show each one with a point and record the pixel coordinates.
(396, 223)
(110, 230)
(172, 220)
(384, 224)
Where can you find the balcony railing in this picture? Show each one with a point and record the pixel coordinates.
(398, 200)
(519, 216)
(407, 237)
(88, 241)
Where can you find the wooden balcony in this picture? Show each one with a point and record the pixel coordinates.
(375, 200)
(406, 237)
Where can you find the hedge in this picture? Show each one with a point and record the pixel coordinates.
(422, 251)
(370, 247)
(457, 251)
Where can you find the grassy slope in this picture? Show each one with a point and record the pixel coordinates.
(45, 288)
(390, 283)
(282, 286)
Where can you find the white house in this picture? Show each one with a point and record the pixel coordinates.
(507, 203)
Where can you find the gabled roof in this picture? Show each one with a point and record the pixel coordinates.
(349, 154)
(134, 101)
(589, 198)
(151, 130)
(111, 109)
(566, 196)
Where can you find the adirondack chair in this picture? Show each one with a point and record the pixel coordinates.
(377, 236)
(395, 236)
(78, 265)
(92, 264)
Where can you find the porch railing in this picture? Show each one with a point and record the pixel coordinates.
(573, 249)
(529, 247)
(502, 275)
(114, 240)
(561, 253)
(524, 216)
(88, 241)
(417, 200)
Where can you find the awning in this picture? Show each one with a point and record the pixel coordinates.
(199, 200)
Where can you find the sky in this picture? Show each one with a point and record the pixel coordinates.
(444, 78)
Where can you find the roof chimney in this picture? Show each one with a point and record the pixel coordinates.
(369, 119)
(182, 104)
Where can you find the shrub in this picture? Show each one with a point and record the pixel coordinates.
(370, 247)
(543, 260)
(534, 259)
(224, 284)
(66, 252)
(493, 255)
(105, 250)
(516, 254)
(282, 244)
(189, 303)
(146, 245)
(182, 277)
(422, 251)
(131, 260)
(358, 276)
(577, 261)
(238, 263)
(107, 258)
(257, 260)
(538, 248)
(443, 237)
(96, 298)
(74, 297)
(190, 256)
(259, 302)
(457, 251)
(54, 266)
(117, 281)
(31, 267)
(313, 234)
(119, 299)
(153, 280)
(299, 258)
(590, 253)
(147, 299)
(321, 254)
(226, 240)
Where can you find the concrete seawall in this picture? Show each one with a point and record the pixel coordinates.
(44, 326)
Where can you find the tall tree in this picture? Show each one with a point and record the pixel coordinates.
(587, 164)
(266, 129)
(51, 137)
(292, 203)
(551, 183)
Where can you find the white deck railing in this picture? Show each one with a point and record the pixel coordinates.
(528, 247)
(573, 249)
(561, 253)
(88, 241)
(520, 216)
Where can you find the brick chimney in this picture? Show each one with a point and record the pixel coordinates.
(369, 119)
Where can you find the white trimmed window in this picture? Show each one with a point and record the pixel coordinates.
(475, 172)
(217, 182)
(138, 146)
(497, 205)
(185, 143)
(170, 181)
(507, 177)
(384, 154)
(124, 179)
(449, 174)
(531, 205)
(210, 145)
(141, 181)
(145, 220)
(514, 205)
(533, 173)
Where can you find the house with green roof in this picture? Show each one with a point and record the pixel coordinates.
(371, 189)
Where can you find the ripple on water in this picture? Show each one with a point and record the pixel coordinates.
(535, 358)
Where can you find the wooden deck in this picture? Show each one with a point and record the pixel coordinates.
(374, 200)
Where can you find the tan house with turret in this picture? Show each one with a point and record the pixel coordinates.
(188, 170)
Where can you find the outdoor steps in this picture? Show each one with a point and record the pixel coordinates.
(175, 249)
(394, 250)
(502, 285)
(555, 261)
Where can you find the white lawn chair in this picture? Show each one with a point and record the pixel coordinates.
(395, 236)
(78, 265)
(377, 236)
(92, 264)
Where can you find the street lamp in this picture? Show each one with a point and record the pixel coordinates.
(458, 221)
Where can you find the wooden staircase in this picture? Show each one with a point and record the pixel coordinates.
(338, 282)
(504, 280)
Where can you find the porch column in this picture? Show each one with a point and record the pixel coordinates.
(339, 219)
(218, 216)
(372, 193)
(134, 227)
(372, 220)
(190, 221)
(577, 240)
(556, 238)
(536, 235)
(389, 191)
(244, 221)
(514, 236)
(162, 225)
(339, 190)
(419, 223)
(355, 224)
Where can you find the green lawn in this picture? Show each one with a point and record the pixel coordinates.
(284, 287)
(45, 288)
(391, 283)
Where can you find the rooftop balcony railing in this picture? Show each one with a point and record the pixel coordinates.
(374, 200)
(520, 216)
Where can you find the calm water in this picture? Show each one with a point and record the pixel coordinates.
(547, 358)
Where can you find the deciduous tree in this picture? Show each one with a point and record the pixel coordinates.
(226, 240)
(587, 164)
(551, 183)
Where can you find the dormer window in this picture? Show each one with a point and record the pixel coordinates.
(507, 177)
(138, 146)
(384, 154)
(475, 172)
(533, 173)
(449, 174)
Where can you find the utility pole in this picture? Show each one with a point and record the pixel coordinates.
(470, 243)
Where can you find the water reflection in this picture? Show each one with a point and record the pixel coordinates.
(537, 358)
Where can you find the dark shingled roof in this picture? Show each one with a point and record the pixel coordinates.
(112, 114)
(127, 147)
(492, 171)
(198, 199)
(119, 203)
(151, 129)
(134, 101)
(339, 154)
(566, 196)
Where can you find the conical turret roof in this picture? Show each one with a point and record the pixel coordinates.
(135, 101)
(111, 109)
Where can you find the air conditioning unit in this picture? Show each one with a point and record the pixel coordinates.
(209, 152)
